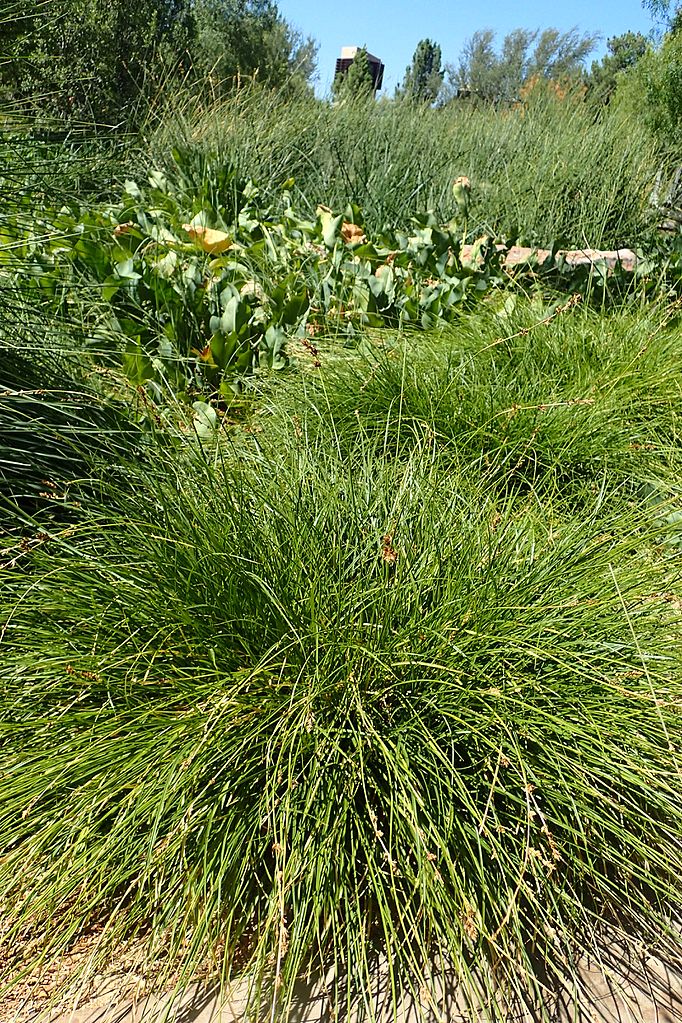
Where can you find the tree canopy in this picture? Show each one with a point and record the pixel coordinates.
(233, 37)
(424, 77)
(657, 83)
(624, 52)
(94, 58)
(497, 75)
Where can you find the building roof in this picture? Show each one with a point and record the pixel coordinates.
(349, 52)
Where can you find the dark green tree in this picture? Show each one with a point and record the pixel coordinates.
(658, 84)
(99, 59)
(624, 53)
(424, 77)
(357, 81)
(90, 58)
(248, 38)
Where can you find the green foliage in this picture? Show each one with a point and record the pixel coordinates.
(194, 280)
(54, 422)
(492, 76)
(424, 77)
(206, 287)
(392, 158)
(657, 85)
(357, 82)
(202, 282)
(332, 707)
(85, 59)
(104, 61)
(624, 53)
(388, 673)
(559, 401)
(232, 37)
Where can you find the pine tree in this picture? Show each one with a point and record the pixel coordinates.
(624, 52)
(357, 81)
(424, 77)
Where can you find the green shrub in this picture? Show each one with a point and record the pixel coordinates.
(108, 63)
(660, 76)
(204, 279)
(87, 60)
(650, 96)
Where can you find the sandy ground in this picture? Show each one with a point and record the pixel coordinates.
(611, 990)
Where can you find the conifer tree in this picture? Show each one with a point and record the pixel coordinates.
(357, 81)
(424, 77)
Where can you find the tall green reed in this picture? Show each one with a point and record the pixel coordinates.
(552, 170)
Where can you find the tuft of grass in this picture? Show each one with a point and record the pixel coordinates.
(56, 415)
(57, 420)
(287, 713)
(560, 399)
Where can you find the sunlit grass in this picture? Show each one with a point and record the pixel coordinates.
(391, 674)
(552, 171)
(300, 712)
(565, 401)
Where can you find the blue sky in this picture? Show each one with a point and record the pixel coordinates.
(393, 28)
